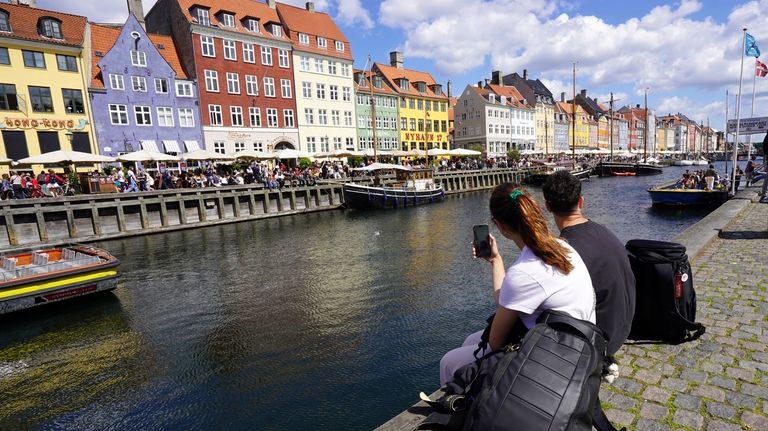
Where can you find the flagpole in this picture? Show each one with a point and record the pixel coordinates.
(726, 132)
(738, 114)
(752, 115)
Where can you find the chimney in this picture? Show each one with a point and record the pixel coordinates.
(562, 97)
(487, 81)
(396, 59)
(638, 106)
(595, 99)
(479, 84)
(525, 74)
(271, 3)
(136, 9)
(496, 78)
(310, 6)
(450, 89)
(583, 92)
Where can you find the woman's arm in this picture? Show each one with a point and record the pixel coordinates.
(501, 328)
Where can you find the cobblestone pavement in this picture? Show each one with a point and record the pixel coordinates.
(720, 381)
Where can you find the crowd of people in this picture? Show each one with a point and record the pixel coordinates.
(21, 185)
(708, 179)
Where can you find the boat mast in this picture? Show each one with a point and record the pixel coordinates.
(611, 119)
(645, 135)
(573, 106)
(373, 111)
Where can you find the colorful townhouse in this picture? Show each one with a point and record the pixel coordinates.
(372, 87)
(240, 55)
(522, 118)
(562, 130)
(538, 95)
(423, 105)
(140, 95)
(638, 119)
(43, 82)
(323, 79)
(579, 135)
(598, 124)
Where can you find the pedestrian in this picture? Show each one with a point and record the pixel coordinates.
(763, 197)
(709, 176)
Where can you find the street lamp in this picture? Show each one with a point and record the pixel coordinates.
(70, 136)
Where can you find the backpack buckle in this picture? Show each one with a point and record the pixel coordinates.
(512, 348)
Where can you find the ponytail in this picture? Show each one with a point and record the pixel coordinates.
(521, 213)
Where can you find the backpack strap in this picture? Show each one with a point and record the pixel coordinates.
(585, 329)
(600, 420)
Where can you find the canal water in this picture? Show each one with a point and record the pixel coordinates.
(328, 321)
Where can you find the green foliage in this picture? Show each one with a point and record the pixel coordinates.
(513, 154)
(478, 148)
(108, 169)
(304, 162)
(355, 161)
(73, 178)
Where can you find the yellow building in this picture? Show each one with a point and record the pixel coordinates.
(423, 106)
(582, 124)
(43, 98)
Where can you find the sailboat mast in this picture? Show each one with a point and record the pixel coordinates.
(573, 107)
(645, 135)
(611, 119)
(373, 111)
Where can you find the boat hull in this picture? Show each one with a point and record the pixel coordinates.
(679, 198)
(358, 196)
(607, 169)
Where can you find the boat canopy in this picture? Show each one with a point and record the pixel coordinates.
(383, 166)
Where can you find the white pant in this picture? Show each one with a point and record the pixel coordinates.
(710, 182)
(459, 357)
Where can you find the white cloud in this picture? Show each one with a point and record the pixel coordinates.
(106, 11)
(321, 5)
(352, 12)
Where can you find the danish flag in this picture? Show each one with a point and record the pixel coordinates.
(761, 69)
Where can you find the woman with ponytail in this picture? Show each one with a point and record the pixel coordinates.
(548, 275)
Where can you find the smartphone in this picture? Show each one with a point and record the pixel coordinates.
(482, 240)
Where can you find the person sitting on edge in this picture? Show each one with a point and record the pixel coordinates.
(548, 275)
(603, 253)
(710, 176)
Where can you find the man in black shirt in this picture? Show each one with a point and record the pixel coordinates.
(603, 253)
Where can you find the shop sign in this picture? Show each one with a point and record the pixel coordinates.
(42, 123)
(430, 137)
(238, 135)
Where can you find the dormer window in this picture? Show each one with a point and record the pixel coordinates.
(503, 100)
(277, 31)
(322, 42)
(228, 19)
(303, 39)
(252, 25)
(437, 89)
(203, 18)
(50, 27)
(492, 98)
(5, 25)
(422, 86)
(377, 81)
(339, 46)
(403, 84)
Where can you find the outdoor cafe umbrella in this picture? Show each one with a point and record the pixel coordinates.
(65, 156)
(147, 156)
(251, 154)
(463, 152)
(339, 154)
(287, 154)
(438, 152)
(4, 161)
(205, 155)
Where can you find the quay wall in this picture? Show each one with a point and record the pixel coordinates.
(29, 223)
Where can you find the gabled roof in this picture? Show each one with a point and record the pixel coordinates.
(240, 8)
(103, 38)
(538, 87)
(299, 20)
(589, 105)
(24, 21)
(514, 97)
(394, 74)
(385, 88)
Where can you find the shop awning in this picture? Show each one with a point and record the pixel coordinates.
(150, 145)
(192, 146)
(171, 146)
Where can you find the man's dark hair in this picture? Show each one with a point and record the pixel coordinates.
(561, 192)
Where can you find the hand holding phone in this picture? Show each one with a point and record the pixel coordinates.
(482, 241)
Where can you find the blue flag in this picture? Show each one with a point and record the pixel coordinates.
(751, 49)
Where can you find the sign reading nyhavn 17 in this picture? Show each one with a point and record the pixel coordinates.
(423, 137)
(749, 126)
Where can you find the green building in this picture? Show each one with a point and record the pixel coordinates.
(386, 114)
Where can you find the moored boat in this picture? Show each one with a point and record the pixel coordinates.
(411, 187)
(623, 174)
(39, 277)
(606, 169)
(668, 195)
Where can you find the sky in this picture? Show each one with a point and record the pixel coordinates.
(684, 54)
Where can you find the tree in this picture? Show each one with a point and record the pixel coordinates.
(479, 149)
(513, 154)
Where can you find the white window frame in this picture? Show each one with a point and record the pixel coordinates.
(203, 17)
(311, 144)
(207, 46)
(122, 113)
(266, 55)
(306, 89)
(186, 117)
(253, 25)
(322, 42)
(146, 113)
(283, 58)
(214, 111)
(332, 69)
(288, 118)
(269, 87)
(277, 31)
(184, 89)
(230, 49)
(249, 53)
(304, 63)
(285, 89)
(236, 116)
(116, 82)
(309, 116)
(339, 46)
(211, 81)
(346, 94)
(333, 92)
(219, 147)
(254, 115)
(272, 120)
(319, 68)
(233, 83)
(335, 117)
(347, 118)
(251, 85)
(164, 116)
(322, 117)
(138, 58)
(303, 38)
(320, 91)
(159, 85)
(228, 20)
(139, 83)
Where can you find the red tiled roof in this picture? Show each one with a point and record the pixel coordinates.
(24, 20)
(511, 93)
(298, 20)
(241, 9)
(103, 37)
(385, 88)
(393, 74)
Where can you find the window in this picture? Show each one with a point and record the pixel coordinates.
(309, 116)
(184, 89)
(306, 90)
(4, 58)
(277, 30)
(206, 42)
(411, 104)
(138, 58)
(321, 91)
(335, 118)
(228, 19)
(255, 115)
(412, 123)
(219, 147)
(5, 25)
(269, 87)
(288, 117)
(239, 146)
(311, 144)
(233, 83)
(336, 143)
(116, 82)
(324, 144)
(282, 58)
(50, 27)
(303, 39)
(214, 113)
(346, 94)
(252, 25)
(347, 118)
(66, 62)
(304, 63)
(266, 56)
(344, 70)
(322, 116)
(322, 42)
(139, 83)
(272, 117)
(164, 116)
(339, 46)
(319, 65)
(73, 101)
(248, 53)
(143, 115)
(236, 114)
(118, 115)
(251, 85)
(230, 52)
(285, 88)
(33, 59)
(40, 98)
(202, 17)
(212, 81)
(186, 117)
(161, 85)
(334, 92)
(8, 99)
(332, 67)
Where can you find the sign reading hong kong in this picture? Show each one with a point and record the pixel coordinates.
(42, 123)
(749, 126)
(431, 137)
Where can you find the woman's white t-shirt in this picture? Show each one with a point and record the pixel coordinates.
(531, 286)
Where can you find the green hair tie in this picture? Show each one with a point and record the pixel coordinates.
(515, 194)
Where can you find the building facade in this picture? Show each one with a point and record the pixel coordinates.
(323, 79)
(369, 87)
(140, 95)
(562, 130)
(240, 56)
(536, 94)
(43, 82)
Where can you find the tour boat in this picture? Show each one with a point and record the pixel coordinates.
(39, 277)
(623, 174)
(668, 195)
(605, 169)
(411, 187)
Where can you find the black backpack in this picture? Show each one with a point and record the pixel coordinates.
(665, 307)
